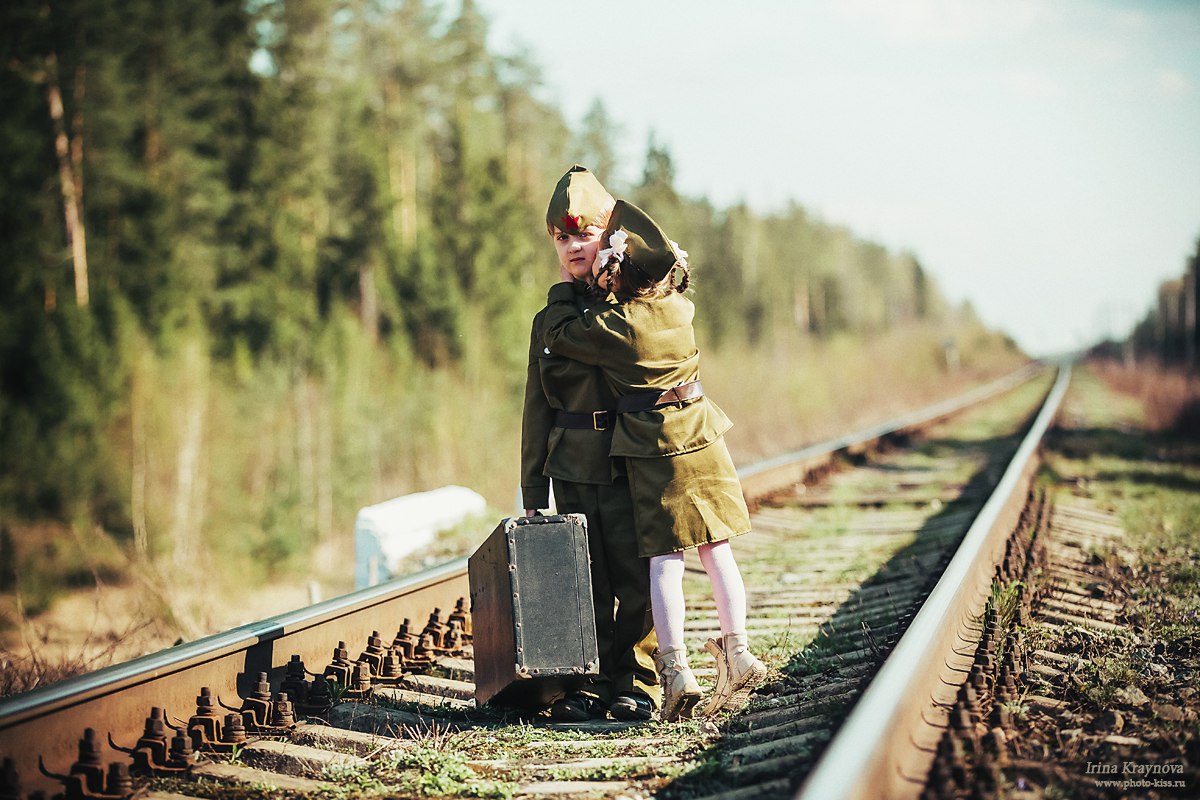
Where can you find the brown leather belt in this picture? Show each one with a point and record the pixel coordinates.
(644, 401)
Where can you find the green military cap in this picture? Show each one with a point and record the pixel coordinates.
(579, 200)
(643, 242)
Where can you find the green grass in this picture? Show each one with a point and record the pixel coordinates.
(1005, 603)
(440, 772)
(1150, 481)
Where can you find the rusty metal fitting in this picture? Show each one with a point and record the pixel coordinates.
(452, 641)
(296, 683)
(958, 767)
(969, 702)
(393, 666)
(1001, 718)
(283, 713)
(86, 778)
(990, 781)
(156, 726)
(950, 760)
(977, 679)
(941, 782)
(319, 699)
(374, 654)
(90, 765)
(256, 708)
(1008, 684)
(204, 727)
(182, 754)
(206, 704)
(980, 790)
(427, 647)
(119, 783)
(461, 616)
(295, 667)
(89, 749)
(967, 697)
(961, 721)
(945, 749)
(358, 685)
(989, 742)
(235, 729)
(10, 780)
(435, 628)
(262, 688)
(405, 640)
(362, 677)
(150, 753)
(340, 670)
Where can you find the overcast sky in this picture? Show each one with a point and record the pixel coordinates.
(1040, 157)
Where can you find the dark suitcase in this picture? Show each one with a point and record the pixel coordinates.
(531, 609)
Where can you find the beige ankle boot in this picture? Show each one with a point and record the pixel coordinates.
(738, 673)
(680, 690)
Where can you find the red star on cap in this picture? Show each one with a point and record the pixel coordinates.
(572, 222)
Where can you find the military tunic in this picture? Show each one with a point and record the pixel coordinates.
(685, 488)
(585, 482)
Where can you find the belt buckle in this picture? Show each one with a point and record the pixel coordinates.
(600, 420)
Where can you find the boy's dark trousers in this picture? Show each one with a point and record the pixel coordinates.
(625, 634)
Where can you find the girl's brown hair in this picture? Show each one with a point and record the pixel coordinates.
(633, 281)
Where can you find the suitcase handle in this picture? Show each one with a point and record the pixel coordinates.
(541, 519)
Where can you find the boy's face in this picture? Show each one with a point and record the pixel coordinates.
(577, 251)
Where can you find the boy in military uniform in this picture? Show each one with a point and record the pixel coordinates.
(670, 436)
(566, 434)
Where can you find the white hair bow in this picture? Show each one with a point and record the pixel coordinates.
(616, 247)
(679, 252)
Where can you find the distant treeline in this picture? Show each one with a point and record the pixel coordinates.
(238, 193)
(1168, 332)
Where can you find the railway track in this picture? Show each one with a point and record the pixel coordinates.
(839, 572)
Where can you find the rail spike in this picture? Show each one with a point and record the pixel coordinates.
(10, 780)
(85, 782)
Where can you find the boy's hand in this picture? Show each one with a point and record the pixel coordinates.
(533, 512)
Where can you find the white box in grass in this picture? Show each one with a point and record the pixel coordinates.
(387, 532)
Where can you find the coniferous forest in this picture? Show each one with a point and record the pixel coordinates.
(268, 261)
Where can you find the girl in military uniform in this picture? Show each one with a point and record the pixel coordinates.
(566, 435)
(686, 492)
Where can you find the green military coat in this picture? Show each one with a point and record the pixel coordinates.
(585, 482)
(553, 383)
(684, 485)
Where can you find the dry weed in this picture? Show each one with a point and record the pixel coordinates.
(42, 658)
(1170, 396)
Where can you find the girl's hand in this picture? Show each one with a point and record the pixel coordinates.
(564, 275)
(532, 512)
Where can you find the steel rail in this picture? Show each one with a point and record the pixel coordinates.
(48, 721)
(886, 745)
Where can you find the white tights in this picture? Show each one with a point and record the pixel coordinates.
(666, 592)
